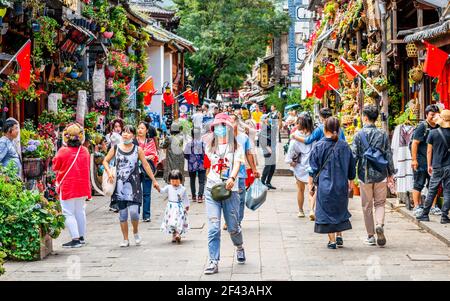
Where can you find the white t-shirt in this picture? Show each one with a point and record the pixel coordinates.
(197, 120)
(224, 151)
(176, 194)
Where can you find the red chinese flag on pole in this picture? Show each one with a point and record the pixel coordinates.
(435, 60)
(23, 59)
(195, 98)
(148, 97)
(310, 94)
(330, 81)
(350, 70)
(147, 86)
(331, 69)
(188, 95)
(319, 91)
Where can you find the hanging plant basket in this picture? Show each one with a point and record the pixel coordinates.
(33, 168)
(416, 74)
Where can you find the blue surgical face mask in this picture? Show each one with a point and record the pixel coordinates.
(220, 131)
(127, 142)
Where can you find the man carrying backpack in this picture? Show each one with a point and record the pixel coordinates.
(438, 158)
(419, 158)
(373, 155)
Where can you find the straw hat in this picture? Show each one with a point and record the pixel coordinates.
(73, 132)
(444, 120)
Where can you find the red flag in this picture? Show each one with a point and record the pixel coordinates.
(195, 98)
(310, 94)
(188, 95)
(23, 59)
(168, 98)
(331, 69)
(147, 86)
(319, 91)
(350, 69)
(435, 60)
(148, 97)
(330, 81)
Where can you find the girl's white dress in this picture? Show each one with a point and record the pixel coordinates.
(175, 216)
(296, 148)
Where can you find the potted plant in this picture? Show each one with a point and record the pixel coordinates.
(356, 190)
(380, 83)
(35, 151)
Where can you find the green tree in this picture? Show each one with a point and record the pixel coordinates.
(230, 35)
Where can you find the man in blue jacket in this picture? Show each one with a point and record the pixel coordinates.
(318, 133)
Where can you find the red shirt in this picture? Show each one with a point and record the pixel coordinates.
(77, 183)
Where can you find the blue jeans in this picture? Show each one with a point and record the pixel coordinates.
(439, 176)
(147, 196)
(242, 199)
(230, 208)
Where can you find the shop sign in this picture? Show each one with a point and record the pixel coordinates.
(264, 75)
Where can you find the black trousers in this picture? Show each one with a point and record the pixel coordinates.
(268, 172)
(201, 182)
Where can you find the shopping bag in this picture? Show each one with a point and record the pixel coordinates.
(108, 187)
(256, 195)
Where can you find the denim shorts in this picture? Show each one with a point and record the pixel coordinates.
(421, 177)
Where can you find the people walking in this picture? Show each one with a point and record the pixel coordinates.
(194, 153)
(438, 160)
(128, 191)
(72, 166)
(174, 146)
(268, 142)
(332, 167)
(298, 158)
(115, 133)
(8, 152)
(256, 116)
(419, 158)
(175, 217)
(373, 176)
(148, 145)
(226, 156)
(244, 141)
(197, 117)
(318, 132)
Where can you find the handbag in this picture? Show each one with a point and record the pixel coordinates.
(375, 157)
(108, 187)
(58, 185)
(219, 192)
(316, 177)
(256, 195)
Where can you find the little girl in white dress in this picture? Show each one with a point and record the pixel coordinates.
(175, 217)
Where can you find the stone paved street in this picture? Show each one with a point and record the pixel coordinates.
(279, 246)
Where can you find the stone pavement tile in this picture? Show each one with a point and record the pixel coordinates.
(246, 277)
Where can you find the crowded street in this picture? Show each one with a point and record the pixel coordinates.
(224, 141)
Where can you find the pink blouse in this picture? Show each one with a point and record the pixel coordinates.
(149, 148)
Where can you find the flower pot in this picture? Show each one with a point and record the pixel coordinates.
(33, 168)
(108, 34)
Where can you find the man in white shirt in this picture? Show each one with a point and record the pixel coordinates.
(197, 118)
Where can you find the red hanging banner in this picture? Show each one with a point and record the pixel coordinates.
(23, 59)
(435, 60)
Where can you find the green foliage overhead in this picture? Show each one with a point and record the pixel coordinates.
(293, 97)
(230, 35)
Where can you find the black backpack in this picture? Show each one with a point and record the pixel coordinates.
(427, 131)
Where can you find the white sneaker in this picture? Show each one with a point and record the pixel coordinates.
(436, 211)
(417, 211)
(370, 241)
(301, 213)
(312, 216)
(124, 244)
(137, 239)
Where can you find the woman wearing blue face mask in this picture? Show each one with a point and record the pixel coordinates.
(226, 157)
(128, 192)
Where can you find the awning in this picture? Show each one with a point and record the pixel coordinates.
(325, 35)
(259, 99)
(435, 3)
(426, 32)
